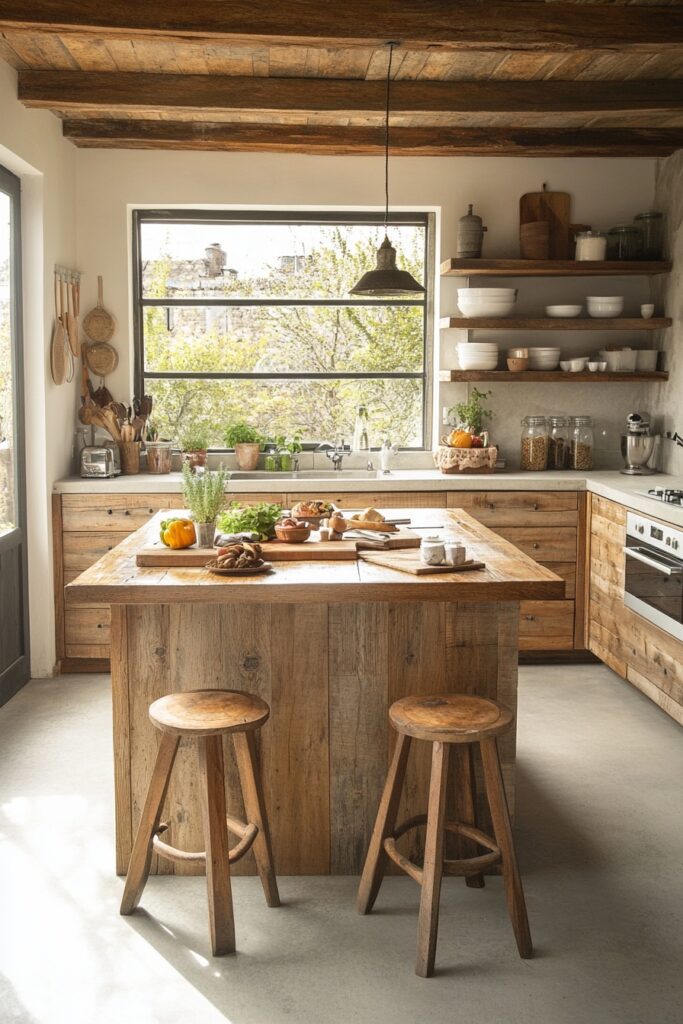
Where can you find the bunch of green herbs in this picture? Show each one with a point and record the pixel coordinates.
(204, 495)
(259, 519)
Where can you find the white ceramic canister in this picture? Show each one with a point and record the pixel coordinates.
(432, 550)
(455, 552)
(590, 245)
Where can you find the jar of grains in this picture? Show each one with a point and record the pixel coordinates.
(558, 442)
(534, 451)
(582, 443)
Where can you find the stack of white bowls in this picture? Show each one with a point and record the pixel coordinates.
(544, 358)
(478, 355)
(487, 302)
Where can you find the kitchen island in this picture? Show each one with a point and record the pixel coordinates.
(329, 645)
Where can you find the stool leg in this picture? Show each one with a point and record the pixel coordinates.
(500, 816)
(141, 857)
(428, 920)
(466, 805)
(376, 859)
(214, 812)
(252, 792)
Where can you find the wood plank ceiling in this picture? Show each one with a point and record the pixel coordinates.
(470, 77)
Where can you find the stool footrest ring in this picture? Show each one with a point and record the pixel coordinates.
(246, 830)
(463, 866)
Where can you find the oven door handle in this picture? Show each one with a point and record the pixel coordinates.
(668, 570)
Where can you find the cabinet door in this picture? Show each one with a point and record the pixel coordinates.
(518, 508)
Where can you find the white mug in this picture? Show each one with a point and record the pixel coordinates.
(646, 310)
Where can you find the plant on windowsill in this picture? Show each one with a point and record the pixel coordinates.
(246, 441)
(286, 448)
(204, 496)
(194, 443)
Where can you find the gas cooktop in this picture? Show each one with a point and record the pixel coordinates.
(671, 495)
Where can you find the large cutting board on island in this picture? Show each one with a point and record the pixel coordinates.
(157, 555)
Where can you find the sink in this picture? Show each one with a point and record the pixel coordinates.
(309, 474)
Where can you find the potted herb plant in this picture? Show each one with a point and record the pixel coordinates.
(194, 443)
(204, 496)
(286, 448)
(246, 441)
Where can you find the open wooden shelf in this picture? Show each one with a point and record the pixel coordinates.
(557, 376)
(551, 323)
(552, 268)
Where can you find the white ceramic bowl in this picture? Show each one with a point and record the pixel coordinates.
(578, 365)
(605, 305)
(646, 359)
(565, 365)
(493, 302)
(544, 359)
(563, 311)
(479, 346)
(593, 366)
(478, 363)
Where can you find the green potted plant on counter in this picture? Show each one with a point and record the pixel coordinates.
(194, 443)
(204, 496)
(286, 448)
(246, 441)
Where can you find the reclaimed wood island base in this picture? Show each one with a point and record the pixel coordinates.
(329, 646)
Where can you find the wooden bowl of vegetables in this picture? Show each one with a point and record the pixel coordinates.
(292, 531)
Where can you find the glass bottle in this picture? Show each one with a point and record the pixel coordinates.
(652, 226)
(582, 443)
(558, 442)
(534, 447)
(361, 442)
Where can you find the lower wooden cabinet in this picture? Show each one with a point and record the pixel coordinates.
(546, 525)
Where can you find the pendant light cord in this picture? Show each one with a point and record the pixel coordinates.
(386, 142)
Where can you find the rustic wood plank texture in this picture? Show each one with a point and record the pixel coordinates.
(120, 684)
(623, 323)
(550, 376)
(552, 27)
(412, 140)
(58, 572)
(120, 91)
(582, 573)
(122, 513)
(87, 625)
(548, 544)
(219, 890)
(518, 508)
(551, 268)
(432, 871)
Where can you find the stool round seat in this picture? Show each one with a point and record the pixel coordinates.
(450, 717)
(208, 712)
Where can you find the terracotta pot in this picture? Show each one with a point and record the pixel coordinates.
(194, 459)
(247, 456)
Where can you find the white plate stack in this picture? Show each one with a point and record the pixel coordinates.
(478, 355)
(488, 302)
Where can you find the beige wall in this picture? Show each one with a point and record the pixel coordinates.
(605, 192)
(31, 146)
(667, 399)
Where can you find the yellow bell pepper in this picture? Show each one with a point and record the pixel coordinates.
(178, 533)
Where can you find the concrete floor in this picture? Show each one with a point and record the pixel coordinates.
(599, 837)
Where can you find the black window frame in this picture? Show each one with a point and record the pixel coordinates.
(417, 218)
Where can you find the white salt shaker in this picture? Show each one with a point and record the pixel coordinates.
(432, 550)
(455, 552)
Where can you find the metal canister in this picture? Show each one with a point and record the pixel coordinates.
(470, 235)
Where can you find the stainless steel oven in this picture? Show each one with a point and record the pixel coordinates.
(653, 572)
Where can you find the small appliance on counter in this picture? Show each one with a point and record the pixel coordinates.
(98, 461)
(637, 445)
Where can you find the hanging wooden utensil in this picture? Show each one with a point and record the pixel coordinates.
(553, 207)
(71, 322)
(99, 324)
(58, 342)
(68, 354)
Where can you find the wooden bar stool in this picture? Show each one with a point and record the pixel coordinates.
(205, 715)
(442, 720)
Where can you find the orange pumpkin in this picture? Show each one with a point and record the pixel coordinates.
(460, 439)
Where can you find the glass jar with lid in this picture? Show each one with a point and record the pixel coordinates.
(534, 447)
(590, 245)
(624, 242)
(558, 442)
(582, 443)
(652, 227)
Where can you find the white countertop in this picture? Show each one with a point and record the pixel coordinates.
(607, 483)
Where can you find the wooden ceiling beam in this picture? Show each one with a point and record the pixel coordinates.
(236, 137)
(114, 92)
(447, 24)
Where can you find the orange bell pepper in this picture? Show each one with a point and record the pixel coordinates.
(178, 533)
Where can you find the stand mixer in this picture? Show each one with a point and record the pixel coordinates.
(637, 445)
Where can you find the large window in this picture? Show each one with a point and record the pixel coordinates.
(248, 316)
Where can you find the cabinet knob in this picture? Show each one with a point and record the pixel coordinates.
(530, 618)
(490, 505)
(110, 511)
(126, 512)
(536, 546)
(535, 506)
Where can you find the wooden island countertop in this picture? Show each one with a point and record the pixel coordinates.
(330, 646)
(509, 575)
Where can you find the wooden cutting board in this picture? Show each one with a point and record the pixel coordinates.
(158, 555)
(555, 208)
(409, 561)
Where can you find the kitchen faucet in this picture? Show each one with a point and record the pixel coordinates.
(334, 452)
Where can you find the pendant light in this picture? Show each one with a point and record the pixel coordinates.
(386, 278)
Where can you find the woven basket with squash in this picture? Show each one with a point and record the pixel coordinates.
(463, 452)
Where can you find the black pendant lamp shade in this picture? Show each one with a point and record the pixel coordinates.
(386, 278)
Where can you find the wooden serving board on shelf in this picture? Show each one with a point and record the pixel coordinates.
(554, 207)
(409, 561)
(312, 550)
